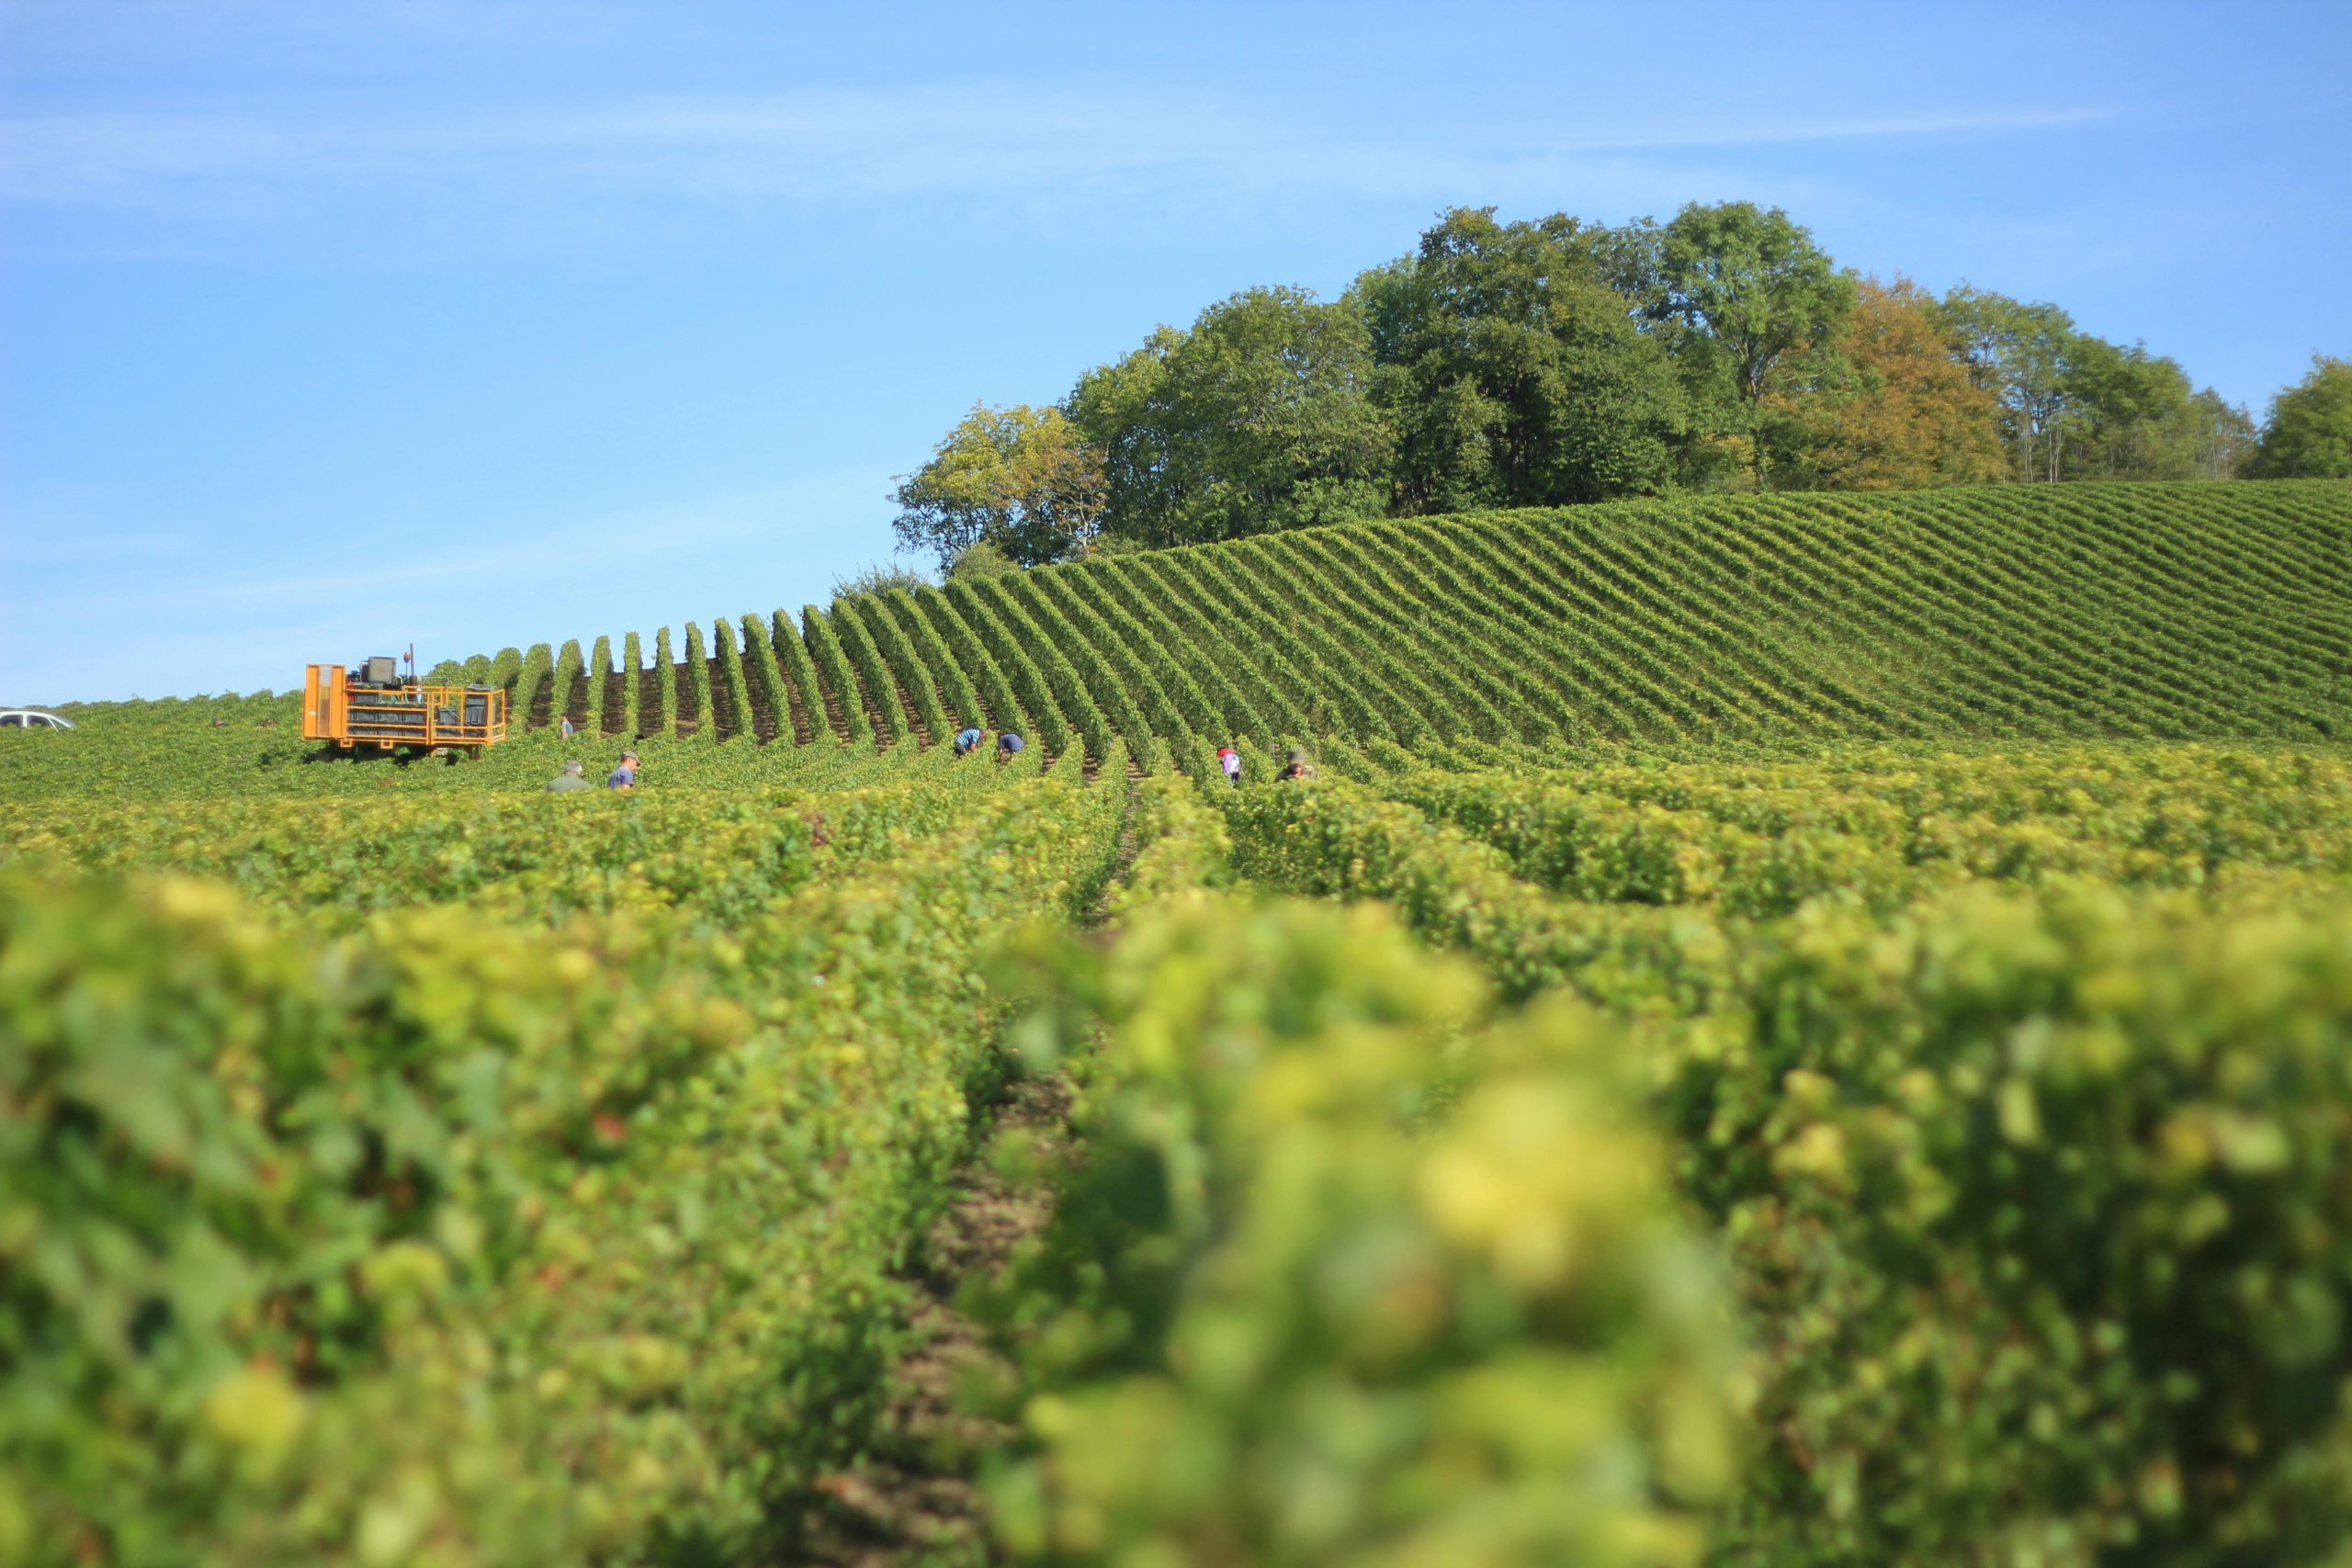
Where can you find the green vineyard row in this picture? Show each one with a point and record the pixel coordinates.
(1783, 1033)
(2017, 1089)
(589, 1236)
(2151, 611)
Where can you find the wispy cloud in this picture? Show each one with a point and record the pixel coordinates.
(85, 525)
(572, 546)
(974, 141)
(1974, 122)
(21, 549)
(227, 623)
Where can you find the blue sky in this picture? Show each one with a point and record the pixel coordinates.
(325, 328)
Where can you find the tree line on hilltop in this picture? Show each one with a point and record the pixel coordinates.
(1553, 361)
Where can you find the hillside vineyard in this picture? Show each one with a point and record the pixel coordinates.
(2172, 610)
(1795, 1032)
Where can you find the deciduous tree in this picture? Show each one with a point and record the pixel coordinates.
(1260, 417)
(2309, 433)
(1121, 409)
(1514, 373)
(1753, 280)
(1908, 416)
(1022, 478)
(2021, 353)
(2132, 414)
(1760, 307)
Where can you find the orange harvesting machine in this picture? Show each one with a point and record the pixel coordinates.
(372, 702)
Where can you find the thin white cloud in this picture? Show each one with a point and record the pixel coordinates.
(249, 629)
(23, 549)
(1996, 122)
(413, 576)
(973, 141)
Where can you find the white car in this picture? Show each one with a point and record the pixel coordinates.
(31, 718)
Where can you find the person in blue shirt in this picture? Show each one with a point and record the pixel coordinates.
(969, 740)
(625, 776)
(1007, 744)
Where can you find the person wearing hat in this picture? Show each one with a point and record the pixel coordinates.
(1298, 767)
(1230, 761)
(574, 776)
(624, 776)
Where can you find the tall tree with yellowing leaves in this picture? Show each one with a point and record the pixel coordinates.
(1907, 416)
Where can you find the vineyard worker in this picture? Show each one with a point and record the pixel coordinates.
(1230, 761)
(568, 731)
(1298, 767)
(968, 741)
(1007, 744)
(624, 776)
(574, 776)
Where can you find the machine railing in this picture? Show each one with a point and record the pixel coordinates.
(352, 712)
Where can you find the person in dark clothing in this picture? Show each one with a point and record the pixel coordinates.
(1298, 767)
(574, 776)
(1007, 744)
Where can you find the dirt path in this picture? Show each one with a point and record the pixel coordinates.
(1097, 917)
(681, 688)
(615, 701)
(915, 1501)
(725, 722)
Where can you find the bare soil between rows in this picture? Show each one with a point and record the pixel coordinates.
(916, 1499)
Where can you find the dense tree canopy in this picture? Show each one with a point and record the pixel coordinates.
(2309, 433)
(1754, 309)
(2020, 354)
(1260, 417)
(1021, 479)
(1548, 361)
(2136, 416)
(2075, 407)
(1512, 373)
(1905, 415)
(1754, 288)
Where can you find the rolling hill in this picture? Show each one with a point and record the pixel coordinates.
(2119, 610)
